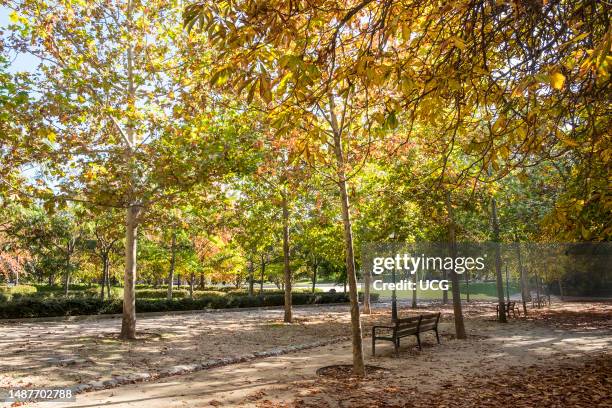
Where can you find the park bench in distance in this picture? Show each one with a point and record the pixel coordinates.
(410, 326)
(510, 307)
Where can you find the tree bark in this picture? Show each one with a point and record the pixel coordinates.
(287, 267)
(367, 277)
(467, 285)
(128, 323)
(522, 278)
(108, 284)
(414, 290)
(445, 292)
(67, 278)
(358, 361)
(104, 274)
(251, 277)
(172, 264)
(263, 271)
(498, 263)
(314, 275)
(191, 283)
(452, 240)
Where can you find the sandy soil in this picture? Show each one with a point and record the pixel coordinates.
(567, 334)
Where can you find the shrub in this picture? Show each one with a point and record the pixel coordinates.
(14, 292)
(161, 293)
(37, 307)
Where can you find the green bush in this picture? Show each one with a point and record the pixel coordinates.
(36, 307)
(15, 292)
(161, 293)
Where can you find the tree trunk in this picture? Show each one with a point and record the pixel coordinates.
(358, 362)
(498, 263)
(17, 271)
(108, 284)
(507, 284)
(191, 283)
(103, 285)
(251, 277)
(415, 278)
(172, 264)
(560, 288)
(287, 269)
(445, 292)
(128, 323)
(367, 277)
(523, 278)
(263, 271)
(467, 285)
(314, 275)
(67, 277)
(452, 240)
(202, 281)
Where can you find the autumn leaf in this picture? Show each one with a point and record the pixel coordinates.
(557, 80)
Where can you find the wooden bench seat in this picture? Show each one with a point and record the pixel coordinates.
(410, 326)
(511, 307)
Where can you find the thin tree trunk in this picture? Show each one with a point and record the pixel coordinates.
(17, 271)
(314, 276)
(467, 285)
(67, 278)
(251, 283)
(523, 278)
(445, 292)
(452, 240)
(103, 285)
(172, 264)
(560, 288)
(191, 283)
(537, 282)
(263, 271)
(108, 284)
(128, 323)
(415, 278)
(358, 362)
(498, 263)
(287, 269)
(202, 283)
(367, 277)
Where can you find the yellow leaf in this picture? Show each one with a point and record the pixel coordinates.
(557, 80)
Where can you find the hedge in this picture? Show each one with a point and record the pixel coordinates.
(34, 307)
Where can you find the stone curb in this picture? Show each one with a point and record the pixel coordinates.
(191, 368)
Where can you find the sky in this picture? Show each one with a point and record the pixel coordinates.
(21, 62)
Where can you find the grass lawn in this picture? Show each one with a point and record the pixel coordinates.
(477, 290)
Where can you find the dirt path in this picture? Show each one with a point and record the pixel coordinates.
(564, 336)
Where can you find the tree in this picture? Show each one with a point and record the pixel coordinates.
(117, 120)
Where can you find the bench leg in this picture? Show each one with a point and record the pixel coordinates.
(418, 340)
(396, 344)
(437, 336)
(373, 347)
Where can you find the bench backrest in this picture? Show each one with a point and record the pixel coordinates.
(429, 321)
(408, 325)
(416, 324)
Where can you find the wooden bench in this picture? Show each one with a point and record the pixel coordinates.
(511, 307)
(410, 326)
